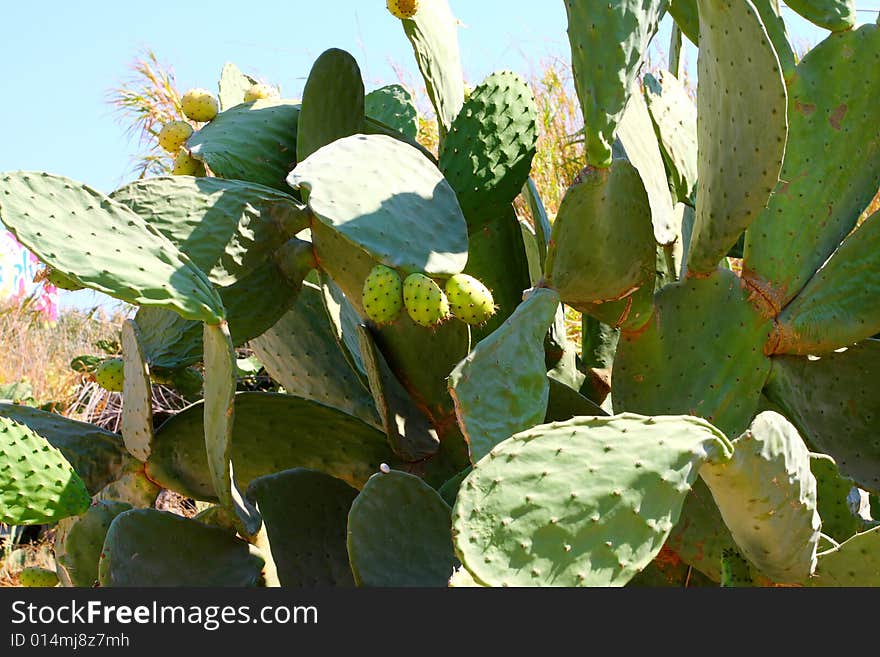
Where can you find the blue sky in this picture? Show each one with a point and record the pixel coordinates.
(59, 58)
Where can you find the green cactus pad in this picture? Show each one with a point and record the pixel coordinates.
(687, 17)
(838, 521)
(602, 246)
(487, 154)
(79, 548)
(540, 220)
(394, 106)
(404, 345)
(833, 402)
(168, 340)
(855, 563)
(823, 188)
(433, 33)
(674, 117)
(838, 306)
(302, 354)
(344, 321)
(563, 404)
(219, 414)
(253, 141)
(272, 432)
(253, 305)
(306, 514)
(835, 15)
(535, 254)
(132, 486)
(587, 502)
(700, 354)
(407, 218)
(399, 533)
(103, 245)
(642, 149)
(37, 484)
(171, 551)
(137, 396)
(735, 570)
(409, 431)
(767, 496)
(501, 387)
(332, 104)
(36, 577)
(618, 34)
(497, 257)
(233, 85)
(700, 536)
(449, 490)
(228, 227)
(98, 456)
(383, 295)
(741, 126)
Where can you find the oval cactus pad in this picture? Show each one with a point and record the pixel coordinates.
(387, 198)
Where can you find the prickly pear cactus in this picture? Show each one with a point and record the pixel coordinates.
(715, 249)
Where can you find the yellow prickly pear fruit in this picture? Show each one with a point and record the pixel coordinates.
(199, 105)
(174, 135)
(260, 91)
(469, 299)
(36, 577)
(109, 374)
(425, 302)
(186, 165)
(382, 295)
(403, 8)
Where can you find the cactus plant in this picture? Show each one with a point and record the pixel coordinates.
(740, 411)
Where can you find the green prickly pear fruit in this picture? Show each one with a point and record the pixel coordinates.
(35, 577)
(186, 165)
(403, 8)
(469, 299)
(187, 381)
(259, 91)
(382, 295)
(174, 135)
(199, 105)
(425, 302)
(62, 281)
(109, 374)
(734, 569)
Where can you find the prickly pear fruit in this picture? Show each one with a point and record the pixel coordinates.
(62, 281)
(259, 91)
(35, 577)
(734, 569)
(199, 105)
(174, 134)
(425, 302)
(382, 297)
(469, 299)
(109, 375)
(403, 8)
(186, 165)
(187, 381)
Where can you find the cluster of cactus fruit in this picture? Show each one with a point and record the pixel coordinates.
(744, 418)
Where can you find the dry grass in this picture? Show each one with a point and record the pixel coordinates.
(39, 353)
(15, 559)
(145, 102)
